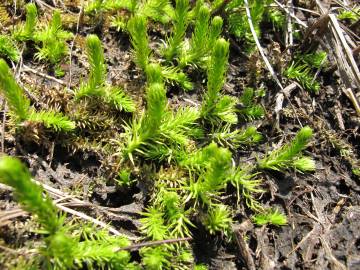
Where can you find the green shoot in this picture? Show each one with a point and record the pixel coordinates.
(288, 155)
(53, 42)
(237, 138)
(18, 103)
(247, 186)
(218, 219)
(53, 120)
(159, 127)
(198, 44)
(158, 10)
(153, 224)
(156, 258)
(273, 217)
(137, 27)
(174, 42)
(26, 31)
(61, 251)
(175, 76)
(212, 165)
(96, 85)
(30, 195)
(216, 107)
(237, 20)
(352, 14)
(302, 73)
(250, 110)
(8, 48)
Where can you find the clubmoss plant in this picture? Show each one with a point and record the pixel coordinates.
(217, 107)
(137, 27)
(289, 155)
(237, 138)
(96, 85)
(61, 250)
(270, 216)
(197, 47)
(158, 131)
(20, 105)
(218, 219)
(8, 48)
(26, 31)
(180, 24)
(53, 42)
(302, 73)
(250, 110)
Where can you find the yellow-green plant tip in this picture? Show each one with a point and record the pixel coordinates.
(273, 217)
(18, 103)
(306, 133)
(153, 73)
(221, 48)
(305, 164)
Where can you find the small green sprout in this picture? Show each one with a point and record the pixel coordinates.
(180, 23)
(218, 219)
(217, 107)
(153, 224)
(156, 258)
(20, 105)
(96, 85)
(26, 31)
(273, 217)
(137, 27)
(8, 48)
(288, 155)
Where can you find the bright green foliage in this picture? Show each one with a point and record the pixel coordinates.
(26, 31)
(200, 267)
(176, 76)
(273, 217)
(302, 73)
(177, 219)
(198, 44)
(53, 120)
(352, 14)
(153, 224)
(302, 70)
(102, 253)
(96, 60)
(288, 156)
(61, 251)
(238, 137)
(216, 107)
(180, 24)
(276, 17)
(96, 85)
(211, 166)
(8, 48)
(30, 195)
(238, 24)
(137, 27)
(18, 103)
(156, 258)
(53, 42)
(159, 127)
(243, 179)
(218, 219)
(250, 110)
(314, 60)
(158, 10)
